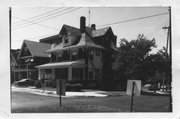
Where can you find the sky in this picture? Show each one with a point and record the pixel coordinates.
(34, 23)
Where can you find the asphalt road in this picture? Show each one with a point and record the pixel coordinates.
(22, 102)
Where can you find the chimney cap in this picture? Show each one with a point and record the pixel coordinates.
(93, 26)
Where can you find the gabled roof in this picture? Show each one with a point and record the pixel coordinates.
(14, 56)
(49, 38)
(37, 49)
(113, 46)
(100, 32)
(85, 42)
(72, 30)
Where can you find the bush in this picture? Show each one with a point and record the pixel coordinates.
(25, 82)
(153, 87)
(73, 87)
(50, 83)
(38, 84)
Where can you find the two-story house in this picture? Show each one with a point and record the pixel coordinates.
(82, 55)
(14, 63)
(30, 55)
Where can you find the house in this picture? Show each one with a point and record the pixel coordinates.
(30, 55)
(13, 63)
(82, 55)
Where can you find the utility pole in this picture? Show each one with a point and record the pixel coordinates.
(166, 53)
(170, 54)
(169, 41)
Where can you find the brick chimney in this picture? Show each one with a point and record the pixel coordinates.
(93, 26)
(82, 24)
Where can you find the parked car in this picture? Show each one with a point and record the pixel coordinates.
(153, 87)
(25, 82)
(147, 85)
(73, 87)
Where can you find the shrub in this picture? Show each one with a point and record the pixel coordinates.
(38, 84)
(50, 83)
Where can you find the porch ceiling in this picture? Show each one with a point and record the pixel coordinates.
(62, 64)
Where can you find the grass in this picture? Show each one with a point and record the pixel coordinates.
(67, 109)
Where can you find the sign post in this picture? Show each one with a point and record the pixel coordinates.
(132, 97)
(60, 91)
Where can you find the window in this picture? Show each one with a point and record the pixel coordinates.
(81, 54)
(59, 57)
(77, 73)
(26, 51)
(53, 57)
(97, 53)
(90, 75)
(74, 55)
(61, 73)
(65, 56)
(97, 74)
(66, 40)
(91, 55)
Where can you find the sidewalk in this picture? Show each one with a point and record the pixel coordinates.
(83, 93)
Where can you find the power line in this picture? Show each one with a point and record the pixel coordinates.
(35, 23)
(44, 17)
(133, 19)
(35, 37)
(38, 15)
(41, 17)
(50, 17)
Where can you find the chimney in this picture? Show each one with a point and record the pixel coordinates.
(93, 26)
(82, 24)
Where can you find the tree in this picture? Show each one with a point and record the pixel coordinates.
(130, 57)
(162, 61)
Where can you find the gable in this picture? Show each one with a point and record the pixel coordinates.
(34, 49)
(24, 51)
(69, 29)
(12, 60)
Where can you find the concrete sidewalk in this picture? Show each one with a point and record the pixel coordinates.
(83, 93)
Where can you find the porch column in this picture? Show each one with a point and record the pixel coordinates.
(14, 76)
(84, 73)
(27, 71)
(19, 73)
(69, 73)
(53, 73)
(39, 71)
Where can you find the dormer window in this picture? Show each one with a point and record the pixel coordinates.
(66, 40)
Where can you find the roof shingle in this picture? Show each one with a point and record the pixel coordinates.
(37, 49)
(85, 41)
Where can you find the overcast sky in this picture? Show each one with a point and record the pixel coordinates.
(51, 22)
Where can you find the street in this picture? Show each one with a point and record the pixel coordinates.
(23, 102)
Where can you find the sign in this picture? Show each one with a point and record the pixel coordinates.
(137, 87)
(63, 86)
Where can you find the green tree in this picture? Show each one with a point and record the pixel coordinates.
(130, 57)
(161, 64)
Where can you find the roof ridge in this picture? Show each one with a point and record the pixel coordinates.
(36, 42)
(71, 26)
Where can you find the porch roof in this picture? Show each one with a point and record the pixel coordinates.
(62, 64)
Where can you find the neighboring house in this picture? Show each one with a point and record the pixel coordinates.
(30, 55)
(13, 63)
(81, 55)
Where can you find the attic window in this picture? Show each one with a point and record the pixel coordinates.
(66, 40)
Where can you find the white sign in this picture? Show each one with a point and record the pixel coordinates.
(137, 87)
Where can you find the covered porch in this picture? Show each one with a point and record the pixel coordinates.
(70, 70)
(64, 71)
